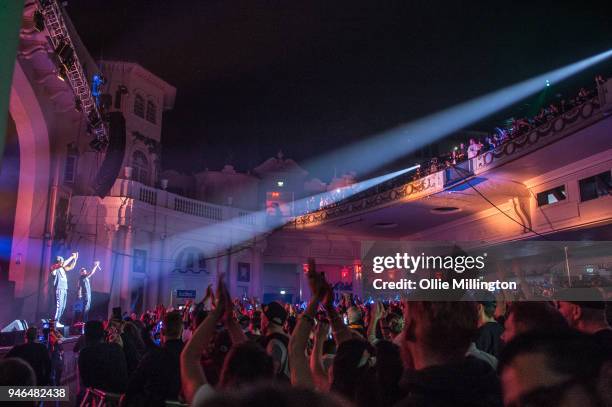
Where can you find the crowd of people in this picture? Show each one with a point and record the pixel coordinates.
(513, 128)
(229, 352)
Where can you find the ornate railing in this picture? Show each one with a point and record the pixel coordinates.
(161, 198)
(559, 127)
(407, 192)
(389, 192)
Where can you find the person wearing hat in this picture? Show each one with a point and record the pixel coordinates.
(60, 282)
(584, 309)
(276, 341)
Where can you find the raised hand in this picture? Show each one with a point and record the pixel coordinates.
(222, 300)
(321, 330)
(379, 310)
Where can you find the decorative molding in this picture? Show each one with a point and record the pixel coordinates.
(408, 191)
(545, 132)
(435, 182)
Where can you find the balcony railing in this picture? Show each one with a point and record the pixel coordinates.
(402, 188)
(160, 198)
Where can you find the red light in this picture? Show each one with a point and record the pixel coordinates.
(275, 194)
(305, 267)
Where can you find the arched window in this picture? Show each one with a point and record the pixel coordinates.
(151, 112)
(139, 106)
(190, 260)
(140, 166)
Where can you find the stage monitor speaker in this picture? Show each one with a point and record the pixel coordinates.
(13, 333)
(109, 170)
(16, 325)
(12, 338)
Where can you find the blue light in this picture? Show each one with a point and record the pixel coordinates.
(398, 142)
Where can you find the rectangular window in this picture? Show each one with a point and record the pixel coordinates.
(552, 196)
(70, 168)
(596, 186)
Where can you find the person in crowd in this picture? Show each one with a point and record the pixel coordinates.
(275, 340)
(246, 362)
(84, 288)
(129, 340)
(133, 343)
(56, 353)
(528, 316)
(556, 369)
(36, 354)
(489, 334)
(484, 356)
(355, 320)
(586, 316)
(16, 372)
(254, 332)
(102, 364)
(158, 376)
(473, 148)
(356, 374)
(437, 336)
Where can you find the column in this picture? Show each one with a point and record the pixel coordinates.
(154, 273)
(165, 273)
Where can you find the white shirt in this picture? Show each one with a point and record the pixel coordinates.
(473, 150)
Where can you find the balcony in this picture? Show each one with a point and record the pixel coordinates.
(520, 158)
(124, 188)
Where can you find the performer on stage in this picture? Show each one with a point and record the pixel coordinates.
(60, 282)
(84, 292)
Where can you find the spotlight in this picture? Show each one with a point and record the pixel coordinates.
(400, 141)
(61, 73)
(39, 21)
(65, 53)
(547, 82)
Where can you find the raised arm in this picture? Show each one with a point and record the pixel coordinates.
(231, 324)
(316, 357)
(192, 375)
(298, 363)
(375, 316)
(96, 267)
(70, 262)
(340, 331)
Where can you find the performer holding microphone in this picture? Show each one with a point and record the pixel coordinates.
(84, 292)
(60, 282)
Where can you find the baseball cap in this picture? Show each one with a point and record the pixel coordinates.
(585, 297)
(275, 312)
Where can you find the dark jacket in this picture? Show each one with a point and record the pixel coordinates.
(103, 367)
(470, 382)
(158, 376)
(37, 356)
(489, 338)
